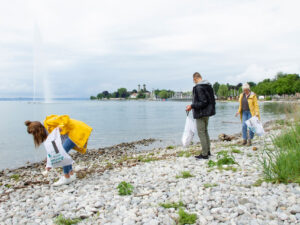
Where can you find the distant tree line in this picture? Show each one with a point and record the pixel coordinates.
(282, 84)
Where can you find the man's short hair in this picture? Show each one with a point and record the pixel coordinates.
(197, 75)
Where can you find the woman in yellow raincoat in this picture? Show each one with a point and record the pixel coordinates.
(248, 107)
(74, 134)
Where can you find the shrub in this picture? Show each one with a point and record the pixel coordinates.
(125, 188)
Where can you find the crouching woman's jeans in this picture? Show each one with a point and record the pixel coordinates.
(246, 115)
(68, 145)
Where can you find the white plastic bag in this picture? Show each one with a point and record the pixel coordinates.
(255, 125)
(190, 130)
(56, 154)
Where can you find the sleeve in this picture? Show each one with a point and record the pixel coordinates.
(54, 121)
(256, 106)
(240, 105)
(203, 101)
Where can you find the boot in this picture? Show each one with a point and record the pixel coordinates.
(249, 142)
(244, 142)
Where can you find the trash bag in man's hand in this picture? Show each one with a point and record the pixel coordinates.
(190, 130)
(56, 154)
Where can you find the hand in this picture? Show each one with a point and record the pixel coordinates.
(237, 113)
(188, 108)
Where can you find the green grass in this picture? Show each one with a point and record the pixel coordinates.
(186, 218)
(211, 163)
(61, 220)
(172, 205)
(185, 174)
(170, 147)
(233, 169)
(235, 150)
(223, 158)
(258, 183)
(8, 185)
(15, 177)
(184, 154)
(281, 165)
(209, 185)
(146, 158)
(125, 188)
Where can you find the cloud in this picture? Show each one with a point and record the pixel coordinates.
(86, 47)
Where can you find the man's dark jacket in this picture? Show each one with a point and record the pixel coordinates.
(203, 100)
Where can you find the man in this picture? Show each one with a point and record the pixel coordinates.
(203, 107)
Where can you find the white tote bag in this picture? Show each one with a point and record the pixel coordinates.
(190, 130)
(56, 154)
(255, 125)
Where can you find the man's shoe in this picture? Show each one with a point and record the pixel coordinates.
(62, 181)
(249, 142)
(201, 157)
(209, 154)
(244, 142)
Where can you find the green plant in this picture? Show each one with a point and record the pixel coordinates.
(185, 174)
(172, 205)
(225, 159)
(8, 185)
(109, 166)
(237, 151)
(258, 183)
(282, 164)
(15, 177)
(170, 147)
(125, 188)
(209, 185)
(61, 220)
(184, 154)
(211, 163)
(186, 218)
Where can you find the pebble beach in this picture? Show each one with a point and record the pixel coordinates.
(231, 194)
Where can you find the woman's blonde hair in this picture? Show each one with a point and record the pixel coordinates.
(37, 130)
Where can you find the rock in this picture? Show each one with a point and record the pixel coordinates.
(99, 204)
(282, 216)
(243, 201)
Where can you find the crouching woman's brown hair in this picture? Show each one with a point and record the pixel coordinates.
(37, 130)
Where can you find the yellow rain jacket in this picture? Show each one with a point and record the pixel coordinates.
(77, 131)
(253, 105)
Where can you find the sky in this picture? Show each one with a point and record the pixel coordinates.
(80, 48)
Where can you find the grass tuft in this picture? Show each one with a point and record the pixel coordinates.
(258, 183)
(184, 154)
(209, 185)
(235, 150)
(61, 220)
(185, 174)
(15, 177)
(125, 188)
(281, 164)
(172, 205)
(186, 218)
(170, 147)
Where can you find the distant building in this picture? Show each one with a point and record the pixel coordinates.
(133, 95)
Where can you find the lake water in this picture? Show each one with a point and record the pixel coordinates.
(113, 122)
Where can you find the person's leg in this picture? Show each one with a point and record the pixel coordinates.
(207, 135)
(68, 145)
(244, 129)
(202, 130)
